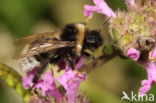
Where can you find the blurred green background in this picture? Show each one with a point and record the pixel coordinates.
(19, 18)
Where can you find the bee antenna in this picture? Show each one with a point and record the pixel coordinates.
(104, 24)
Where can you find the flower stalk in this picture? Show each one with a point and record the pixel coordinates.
(14, 80)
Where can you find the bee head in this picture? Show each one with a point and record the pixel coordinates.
(93, 40)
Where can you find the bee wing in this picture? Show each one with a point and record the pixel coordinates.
(41, 46)
(25, 40)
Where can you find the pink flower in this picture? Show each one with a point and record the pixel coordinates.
(130, 2)
(154, 53)
(71, 80)
(27, 81)
(151, 78)
(133, 53)
(48, 86)
(100, 7)
(80, 63)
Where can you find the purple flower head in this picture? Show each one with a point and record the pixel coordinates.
(48, 86)
(100, 7)
(71, 80)
(27, 81)
(151, 78)
(133, 53)
(130, 2)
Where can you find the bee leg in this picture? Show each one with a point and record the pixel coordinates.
(91, 56)
(71, 63)
(39, 72)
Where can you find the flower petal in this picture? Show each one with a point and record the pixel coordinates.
(154, 53)
(89, 10)
(100, 7)
(133, 53)
(151, 73)
(80, 63)
(27, 81)
(144, 89)
(71, 81)
(48, 86)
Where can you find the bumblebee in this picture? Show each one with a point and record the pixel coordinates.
(39, 50)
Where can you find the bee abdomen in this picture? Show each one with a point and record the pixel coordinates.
(27, 64)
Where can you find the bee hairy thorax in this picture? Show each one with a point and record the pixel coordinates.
(74, 32)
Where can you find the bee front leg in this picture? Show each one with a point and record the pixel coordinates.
(71, 63)
(91, 56)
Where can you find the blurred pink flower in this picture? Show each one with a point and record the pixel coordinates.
(133, 53)
(154, 53)
(27, 81)
(100, 7)
(48, 86)
(130, 2)
(151, 78)
(71, 80)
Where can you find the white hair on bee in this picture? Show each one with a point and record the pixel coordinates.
(27, 64)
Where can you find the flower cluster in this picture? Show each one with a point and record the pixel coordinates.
(70, 80)
(132, 30)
